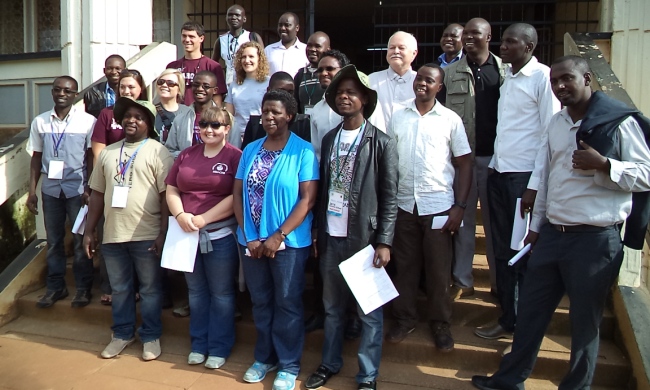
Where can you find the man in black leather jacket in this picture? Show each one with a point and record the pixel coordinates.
(104, 94)
(357, 207)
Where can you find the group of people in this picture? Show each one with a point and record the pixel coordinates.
(293, 153)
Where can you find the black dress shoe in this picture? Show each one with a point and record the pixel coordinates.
(50, 297)
(319, 378)
(484, 383)
(314, 322)
(353, 328)
(372, 385)
(81, 298)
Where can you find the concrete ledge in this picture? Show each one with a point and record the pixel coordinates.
(631, 310)
(23, 275)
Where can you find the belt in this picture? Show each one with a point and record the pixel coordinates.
(582, 228)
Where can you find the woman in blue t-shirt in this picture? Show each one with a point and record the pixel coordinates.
(275, 189)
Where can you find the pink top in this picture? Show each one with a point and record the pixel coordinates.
(191, 67)
(204, 182)
(107, 131)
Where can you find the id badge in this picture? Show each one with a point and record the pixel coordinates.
(335, 206)
(309, 110)
(120, 195)
(55, 170)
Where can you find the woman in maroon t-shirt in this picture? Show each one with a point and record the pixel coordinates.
(199, 195)
(107, 131)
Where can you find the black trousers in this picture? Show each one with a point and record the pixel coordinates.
(584, 265)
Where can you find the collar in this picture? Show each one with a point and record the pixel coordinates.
(527, 70)
(442, 58)
(108, 88)
(490, 61)
(564, 113)
(434, 111)
(393, 76)
(279, 45)
(53, 115)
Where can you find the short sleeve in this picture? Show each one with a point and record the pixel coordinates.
(229, 96)
(89, 133)
(97, 180)
(173, 171)
(166, 160)
(99, 130)
(35, 140)
(459, 143)
(308, 164)
(241, 168)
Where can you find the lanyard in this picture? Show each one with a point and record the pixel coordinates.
(122, 167)
(57, 140)
(313, 87)
(232, 44)
(350, 151)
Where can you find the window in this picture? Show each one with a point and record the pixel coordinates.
(28, 26)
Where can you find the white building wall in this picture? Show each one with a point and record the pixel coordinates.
(631, 48)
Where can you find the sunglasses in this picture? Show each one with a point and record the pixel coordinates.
(205, 86)
(327, 68)
(170, 83)
(213, 125)
(67, 91)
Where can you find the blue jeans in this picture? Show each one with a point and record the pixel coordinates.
(123, 260)
(276, 287)
(55, 211)
(212, 298)
(336, 295)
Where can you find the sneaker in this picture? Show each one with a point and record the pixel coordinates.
(183, 311)
(442, 337)
(81, 298)
(195, 358)
(215, 362)
(50, 297)
(151, 350)
(115, 347)
(284, 381)
(398, 333)
(257, 372)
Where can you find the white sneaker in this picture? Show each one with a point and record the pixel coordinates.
(151, 350)
(195, 358)
(115, 347)
(215, 362)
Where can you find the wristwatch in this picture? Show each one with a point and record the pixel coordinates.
(462, 205)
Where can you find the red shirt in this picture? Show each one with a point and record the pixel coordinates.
(191, 67)
(107, 131)
(204, 182)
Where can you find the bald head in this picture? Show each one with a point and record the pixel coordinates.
(476, 37)
(525, 32)
(317, 44)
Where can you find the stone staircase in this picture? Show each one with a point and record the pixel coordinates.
(412, 364)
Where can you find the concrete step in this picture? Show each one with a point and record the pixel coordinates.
(418, 348)
(64, 354)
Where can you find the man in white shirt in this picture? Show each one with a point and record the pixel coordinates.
(289, 54)
(428, 136)
(583, 199)
(323, 118)
(525, 107)
(394, 85)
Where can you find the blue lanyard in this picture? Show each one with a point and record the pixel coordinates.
(57, 140)
(123, 167)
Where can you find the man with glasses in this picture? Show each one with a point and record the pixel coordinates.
(227, 44)
(59, 141)
(193, 62)
(185, 127)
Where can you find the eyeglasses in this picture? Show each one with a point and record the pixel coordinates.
(327, 68)
(213, 125)
(170, 83)
(205, 86)
(67, 91)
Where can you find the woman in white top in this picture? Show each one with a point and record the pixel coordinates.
(245, 95)
(170, 89)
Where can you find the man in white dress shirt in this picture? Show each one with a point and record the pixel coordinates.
(394, 85)
(289, 54)
(582, 200)
(323, 118)
(525, 107)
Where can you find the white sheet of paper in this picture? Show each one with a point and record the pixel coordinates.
(519, 228)
(439, 221)
(55, 170)
(519, 255)
(179, 251)
(80, 223)
(120, 195)
(371, 286)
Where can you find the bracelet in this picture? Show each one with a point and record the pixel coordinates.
(176, 217)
